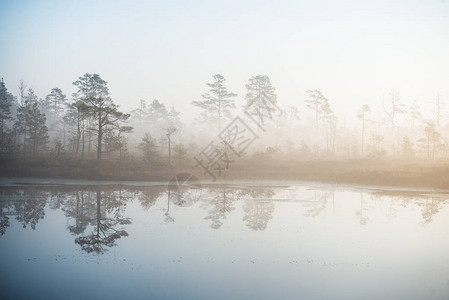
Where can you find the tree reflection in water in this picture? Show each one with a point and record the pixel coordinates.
(27, 205)
(361, 213)
(107, 223)
(4, 219)
(219, 202)
(80, 210)
(319, 203)
(430, 204)
(431, 207)
(184, 189)
(258, 208)
(148, 196)
(168, 218)
(96, 215)
(30, 208)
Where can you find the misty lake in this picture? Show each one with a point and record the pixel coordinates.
(240, 240)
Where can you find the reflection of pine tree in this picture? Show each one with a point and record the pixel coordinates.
(148, 196)
(221, 204)
(392, 211)
(81, 210)
(431, 208)
(363, 218)
(27, 205)
(4, 219)
(258, 213)
(430, 205)
(4, 224)
(31, 209)
(258, 208)
(168, 218)
(106, 223)
(58, 199)
(319, 203)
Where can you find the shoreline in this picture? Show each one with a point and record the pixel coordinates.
(43, 182)
(375, 173)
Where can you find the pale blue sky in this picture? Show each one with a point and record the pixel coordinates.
(354, 51)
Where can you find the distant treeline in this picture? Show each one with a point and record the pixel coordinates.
(90, 126)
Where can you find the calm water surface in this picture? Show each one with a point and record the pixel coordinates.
(235, 241)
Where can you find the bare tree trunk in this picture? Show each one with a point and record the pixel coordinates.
(363, 133)
(100, 137)
(169, 150)
(98, 214)
(78, 135)
(2, 126)
(433, 148)
(63, 137)
(89, 147)
(25, 137)
(82, 149)
(333, 138)
(219, 114)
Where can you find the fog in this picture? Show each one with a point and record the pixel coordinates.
(355, 53)
(232, 135)
(157, 149)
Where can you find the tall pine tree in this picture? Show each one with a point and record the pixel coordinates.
(5, 109)
(217, 103)
(105, 116)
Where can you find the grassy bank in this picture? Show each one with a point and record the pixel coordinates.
(430, 174)
(410, 173)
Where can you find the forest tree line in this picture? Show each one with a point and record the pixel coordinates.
(88, 125)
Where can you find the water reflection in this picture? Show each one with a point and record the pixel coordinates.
(149, 195)
(430, 204)
(97, 216)
(27, 206)
(107, 221)
(184, 189)
(78, 210)
(258, 208)
(219, 203)
(431, 207)
(362, 212)
(336, 241)
(319, 203)
(4, 218)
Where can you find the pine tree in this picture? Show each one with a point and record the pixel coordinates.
(217, 103)
(31, 124)
(316, 102)
(395, 108)
(364, 111)
(148, 147)
(5, 109)
(260, 97)
(75, 116)
(93, 91)
(57, 101)
(31, 97)
(407, 147)
(38, 131)
(22, 122)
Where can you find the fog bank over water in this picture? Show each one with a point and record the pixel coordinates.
(224, 149)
